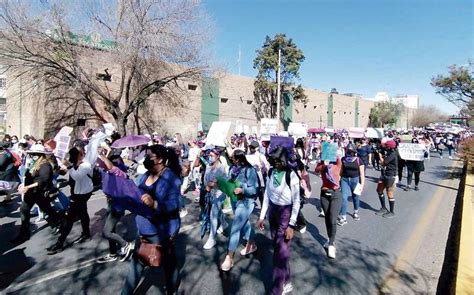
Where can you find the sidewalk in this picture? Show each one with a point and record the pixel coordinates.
(465, 271)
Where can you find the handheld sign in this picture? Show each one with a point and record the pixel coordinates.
(62, 146)
(268, 126)
(298, 129)
(374, 133)
(355, 132)
(411, 151)
(218, 133)
(329, 152)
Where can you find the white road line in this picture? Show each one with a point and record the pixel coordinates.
(67, 270)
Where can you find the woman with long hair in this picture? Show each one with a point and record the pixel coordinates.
(246, 174)
(38, 182)
(161, 187)
(282, 202)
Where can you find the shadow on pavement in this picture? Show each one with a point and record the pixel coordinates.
(12, 265)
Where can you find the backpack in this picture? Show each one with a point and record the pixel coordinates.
(96, 178)
(288, 181)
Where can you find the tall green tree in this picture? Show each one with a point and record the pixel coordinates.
(385, 113)
(266, 62)
(458, 87)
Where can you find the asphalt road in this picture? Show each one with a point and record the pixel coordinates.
(403, 255)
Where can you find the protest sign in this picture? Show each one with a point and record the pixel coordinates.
(411, 151)
(355, 132)
(93, 145)
(239, 127)
(284, 141)
(109, 128)
(62, 146)
(374, 133)
(406, 138)
(329, 152)
(268, 126)
(218, 133)
(298, 129)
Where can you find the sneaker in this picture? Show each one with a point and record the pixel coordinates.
(389, 215)
(183, 212)
(227, 264)
(40, 220)
(382, 211)
(107, 258)
(227, 210)
(406, 188)
(82, 239)
(248, 249)
(287, 288)
(332, 252)
(342, 221)
(326, 245)
(441, 157)
(126, 251)
(222, 228)
(54, 249)
(196, 200)
(302, 229)
(416, 188)
(209, 244)
(450, 157)
(321, 213)
(356, 216)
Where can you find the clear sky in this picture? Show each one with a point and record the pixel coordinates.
(357, 46)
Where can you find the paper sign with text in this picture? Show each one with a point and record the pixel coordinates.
(329, 152)
(218, 133)
(268, 126)
(411, 151)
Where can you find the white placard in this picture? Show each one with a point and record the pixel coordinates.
(268, 126)
(374, 132)
(356, 132)
(218, 133)
(62, 145)
(65, 131)
(298, 129)
(109, 128)
(411, 151)
(239, 127)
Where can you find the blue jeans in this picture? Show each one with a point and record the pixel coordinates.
(348, 185)
(216, 213)
(242, 210)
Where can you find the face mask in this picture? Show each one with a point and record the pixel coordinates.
(14, 141)
(35, 158)
(212, 160)
(148, 163)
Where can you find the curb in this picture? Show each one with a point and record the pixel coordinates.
(465, 269)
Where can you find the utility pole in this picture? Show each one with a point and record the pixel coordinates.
(278, 86)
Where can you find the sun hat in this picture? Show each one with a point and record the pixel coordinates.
(37, 149)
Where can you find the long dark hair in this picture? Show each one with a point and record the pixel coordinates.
(169, 157)
(240, 156)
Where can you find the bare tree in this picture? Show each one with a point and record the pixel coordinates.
(110, 58)
(427, 114)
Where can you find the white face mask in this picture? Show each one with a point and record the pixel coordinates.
(35, 158)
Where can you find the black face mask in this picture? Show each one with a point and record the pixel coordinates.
(148, 163)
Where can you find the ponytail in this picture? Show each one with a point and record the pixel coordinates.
(169, 157)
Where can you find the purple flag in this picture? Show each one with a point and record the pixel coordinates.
(125, 194)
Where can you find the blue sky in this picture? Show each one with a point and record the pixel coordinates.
(355, 46)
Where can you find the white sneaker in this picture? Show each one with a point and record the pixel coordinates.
(222, 228)
(321, 213)
(332, 251)
(183, 212)
(209, 244)
(287, 288)
(302, 230)
(227, 264)
(248, 249)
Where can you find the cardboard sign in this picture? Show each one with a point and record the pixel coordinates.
(374, 133)
(218, 133)
(329, 152)
(62, 146)
(268, 126)
(412, 151)
(355, 132)
(298, 129)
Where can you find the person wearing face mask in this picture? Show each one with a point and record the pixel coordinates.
(80, 178)
(214, 169)
(246, 174)
(8, 172)
(38, 182)
(282, 202)
(161, 191)
(260, 163)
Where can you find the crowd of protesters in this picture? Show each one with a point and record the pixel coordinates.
(235, 177)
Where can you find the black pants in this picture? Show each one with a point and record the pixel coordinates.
(44, 204)
(376, 161)
(169, 262)
(410, 177)
(115, 240)
(331, 201)
(77, 208)
(300, 220)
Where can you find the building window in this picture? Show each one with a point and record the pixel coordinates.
(249, 101)
(224, 100)
(3, 100)
(192, 87)
(3, 82)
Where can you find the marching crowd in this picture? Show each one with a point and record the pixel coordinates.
(246, 172)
